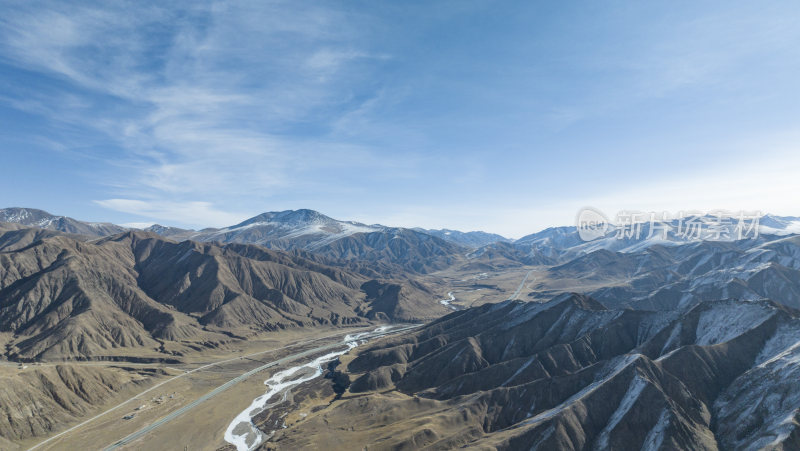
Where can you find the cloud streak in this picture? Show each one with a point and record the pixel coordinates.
(433, 112)
(176, 212)
(205, 98)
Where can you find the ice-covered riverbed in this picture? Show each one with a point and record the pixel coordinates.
(243, 434)
(446, 302)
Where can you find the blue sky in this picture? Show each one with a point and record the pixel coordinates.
(501, 116)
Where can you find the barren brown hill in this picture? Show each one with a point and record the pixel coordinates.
(395, 250)
(38, 400)
(65, 298)
(15, 236)
(368, 249)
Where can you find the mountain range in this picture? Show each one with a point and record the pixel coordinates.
(468, 239)
(313, 231)
(560, 244)
(137, 292)
(667, 277)
(371, 249)
(653, 272)
(44, 220)
(646, 342)
(570, 374)
(290, 229)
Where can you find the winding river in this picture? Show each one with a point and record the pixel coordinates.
(243, 434)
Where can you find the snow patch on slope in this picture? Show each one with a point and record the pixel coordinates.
(760, 408)
(725, 321)
(634, 390)
(613, 368)
(655, 437)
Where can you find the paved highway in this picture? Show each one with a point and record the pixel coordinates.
(200, 368)
(144, 431)
(521, 286)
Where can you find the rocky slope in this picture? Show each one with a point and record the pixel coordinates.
(290, 229)
(387, 250)
(15, 236)
(473, 240)
(668, 277)
(39, 218)
(41, 399)
(394, 250)
(558, 245)
(571, 374)
(65, 298)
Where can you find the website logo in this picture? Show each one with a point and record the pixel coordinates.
(591, 223)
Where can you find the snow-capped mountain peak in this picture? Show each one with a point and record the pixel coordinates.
(308, 228)
(39, 218)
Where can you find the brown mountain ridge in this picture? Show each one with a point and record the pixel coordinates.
(569, 374)
(65, 298)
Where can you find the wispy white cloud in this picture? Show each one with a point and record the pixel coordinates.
(206, 96)
(185, 213)
(230, 108)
